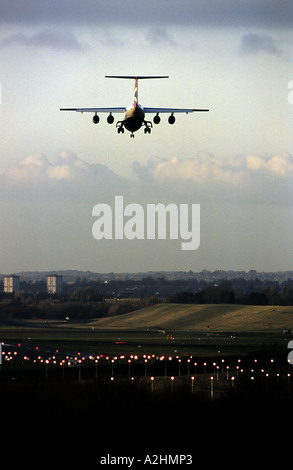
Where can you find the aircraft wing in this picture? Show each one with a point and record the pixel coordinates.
(96, 110)
(172, 110)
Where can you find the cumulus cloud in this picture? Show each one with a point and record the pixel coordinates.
(205, 167)
(68, 167)
(199, 170)
(35, 169)
(68, 178)
(248, 178)
(280, 165)
(27, 171)
(253, 43)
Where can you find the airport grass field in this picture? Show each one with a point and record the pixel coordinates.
(163, 329)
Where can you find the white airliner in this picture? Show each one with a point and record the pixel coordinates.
(134, 117)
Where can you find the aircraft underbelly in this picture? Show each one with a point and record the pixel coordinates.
(134, 118)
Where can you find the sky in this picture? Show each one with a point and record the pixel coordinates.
(236, 161)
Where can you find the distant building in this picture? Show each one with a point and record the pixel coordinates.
(11, 284)
(55, 284)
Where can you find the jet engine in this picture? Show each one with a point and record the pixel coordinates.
(157, 119)
(171, 119)
(96, 119)
(110, 119)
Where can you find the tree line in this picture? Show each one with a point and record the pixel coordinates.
(82, 306)
(87, 300)
(226, 293)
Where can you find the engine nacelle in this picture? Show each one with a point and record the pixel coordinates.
(110, 119)
(157, 119)
(171, 119)
(96, 119)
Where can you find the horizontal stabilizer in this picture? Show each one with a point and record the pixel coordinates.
(136, 77)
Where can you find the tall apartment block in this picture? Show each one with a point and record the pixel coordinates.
(11, 284)
(55, 284)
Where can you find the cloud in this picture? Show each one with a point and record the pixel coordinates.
(205, 168)
(202, 169)
(250, 179)
(47, 38)
(243, 178)
(31, 170)
(68, 167)
(253, 43)
(281, 165)
(156, 35)
(70, 178)
(153, 12)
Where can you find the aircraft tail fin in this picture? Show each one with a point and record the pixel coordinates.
(136, 78)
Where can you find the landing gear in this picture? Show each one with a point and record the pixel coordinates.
(148, 127)
(120, 128)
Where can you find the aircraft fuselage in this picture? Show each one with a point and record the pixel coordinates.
(134, 117)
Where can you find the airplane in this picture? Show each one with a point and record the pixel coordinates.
(134, 117)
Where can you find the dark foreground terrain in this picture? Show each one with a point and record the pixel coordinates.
(60, 391)
(123, 416)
